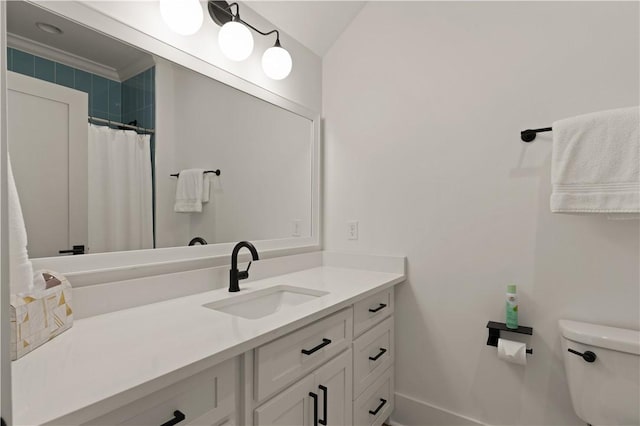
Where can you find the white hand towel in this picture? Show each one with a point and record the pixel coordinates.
(206, 187)
(20, 268)
(596, 163)
(189, 191)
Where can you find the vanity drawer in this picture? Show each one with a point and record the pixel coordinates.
(376, 404)
(205, 398)
(372, 310)
(372, 355)
(290, 357)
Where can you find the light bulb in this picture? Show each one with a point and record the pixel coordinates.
(235, 41)
(276, 62)
(182, 16)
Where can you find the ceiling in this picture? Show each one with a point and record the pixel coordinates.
(76, 39)
(315, 24)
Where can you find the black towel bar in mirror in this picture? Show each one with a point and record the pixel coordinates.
(215, 172)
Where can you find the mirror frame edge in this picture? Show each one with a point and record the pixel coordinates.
(5, 307)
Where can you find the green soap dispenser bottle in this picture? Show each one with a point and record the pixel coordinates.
(512, 307)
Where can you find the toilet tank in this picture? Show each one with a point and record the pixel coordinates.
(607, 390)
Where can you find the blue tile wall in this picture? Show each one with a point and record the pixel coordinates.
(45, 69)
(23, 63)
(104, 95)
(65, 76)
(138, 99)
(100, 96)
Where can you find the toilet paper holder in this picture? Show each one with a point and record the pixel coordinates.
(496, 327)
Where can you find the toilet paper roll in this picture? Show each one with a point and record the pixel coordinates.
(511, 351)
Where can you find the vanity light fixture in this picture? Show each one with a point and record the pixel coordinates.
(276, 62)
(235, 39)
(236, 42)
(182, 16)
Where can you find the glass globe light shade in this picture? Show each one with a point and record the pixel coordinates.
(235, 41)
(182, 16)
(276, 63)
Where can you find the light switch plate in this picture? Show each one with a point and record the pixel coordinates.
(297, 224)
(352, 230)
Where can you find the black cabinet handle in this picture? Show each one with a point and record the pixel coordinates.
(587, 355)
(375, 358)
(381, 306)
(315, 407)
(325, 393)
(178, 416)
(382, 402)
(324, 343)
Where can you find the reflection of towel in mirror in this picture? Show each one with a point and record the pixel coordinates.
(206, 185)
(190, 191)
(20, 268)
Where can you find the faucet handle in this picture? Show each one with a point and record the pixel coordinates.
(243, 275)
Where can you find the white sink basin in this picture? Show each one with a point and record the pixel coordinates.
(261, 303)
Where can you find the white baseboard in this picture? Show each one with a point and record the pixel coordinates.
(412, 412)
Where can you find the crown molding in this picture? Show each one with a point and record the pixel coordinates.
(135, 68)
(58, 55)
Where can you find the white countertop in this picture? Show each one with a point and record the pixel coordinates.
(105, 361)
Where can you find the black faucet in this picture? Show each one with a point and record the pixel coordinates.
(234, 274)
(198, 240)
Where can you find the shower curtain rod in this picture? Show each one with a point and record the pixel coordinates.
(123, 125)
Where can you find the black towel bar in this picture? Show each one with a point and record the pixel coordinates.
(530, 134)
(215, 172)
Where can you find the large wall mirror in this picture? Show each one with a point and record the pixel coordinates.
(100, 131)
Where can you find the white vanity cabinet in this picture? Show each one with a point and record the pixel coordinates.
(322, 397)
(373, 357)
(336, 371)
(284, 360)
(207, 398)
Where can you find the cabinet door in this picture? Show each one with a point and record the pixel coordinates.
(333, 384)
(291, 407)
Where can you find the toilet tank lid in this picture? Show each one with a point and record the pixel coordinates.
(617, 339)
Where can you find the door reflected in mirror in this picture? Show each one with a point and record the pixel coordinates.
(110, 145)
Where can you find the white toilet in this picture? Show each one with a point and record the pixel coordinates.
(603, 372)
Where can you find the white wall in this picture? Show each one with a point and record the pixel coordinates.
(423, 103)
(264, 153)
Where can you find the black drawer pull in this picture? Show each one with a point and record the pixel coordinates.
(324, 343)
(178, 416)
(375, 358)
(381, 306)
(315, 407)
(325, 393)
(587, 356)
(382, 402)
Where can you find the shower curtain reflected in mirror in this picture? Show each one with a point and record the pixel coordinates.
(120, 190)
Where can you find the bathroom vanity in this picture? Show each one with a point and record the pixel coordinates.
(311, 347)
(157, 338)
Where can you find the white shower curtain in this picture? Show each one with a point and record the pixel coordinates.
(120, 191)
